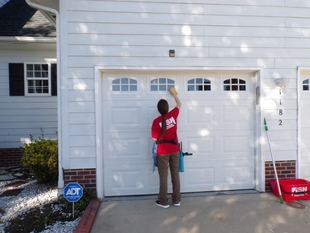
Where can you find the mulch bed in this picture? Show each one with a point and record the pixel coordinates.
(12, 192)
(15, 184)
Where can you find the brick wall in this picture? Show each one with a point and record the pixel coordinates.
(285, 170)
(85, 177)
(10, 157)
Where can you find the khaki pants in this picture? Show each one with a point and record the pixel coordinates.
(172, 161)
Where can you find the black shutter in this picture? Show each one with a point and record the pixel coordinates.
(16, 77)
(54, 79)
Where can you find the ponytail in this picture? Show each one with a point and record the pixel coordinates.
(163, 127)
(163, 107)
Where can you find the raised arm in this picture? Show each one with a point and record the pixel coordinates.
(175, 96)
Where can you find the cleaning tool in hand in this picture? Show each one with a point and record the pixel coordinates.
(154, 154)
(274, 165)
(181, 159)
(175, 90)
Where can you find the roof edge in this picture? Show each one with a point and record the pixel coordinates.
(49, 8)
(28, 39)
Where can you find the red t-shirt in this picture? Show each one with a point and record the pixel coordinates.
(171, 132)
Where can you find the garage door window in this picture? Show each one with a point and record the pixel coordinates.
(305, 85)
(161, 84)
(234, 84)
(199, 84)
(124, 84)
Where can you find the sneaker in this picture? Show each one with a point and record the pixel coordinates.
(161, 205)
(177, 204)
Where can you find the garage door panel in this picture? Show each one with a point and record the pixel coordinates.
(217, 175)
(122, 117)
(199, 114)
(218, 144)
(132, 179)
(126, 179)
(305, 122)
(216, 115)
(198, 145)
(236, 174)
(304, 118)
(240, 144)
(125, 146)
(199, 176)
(305, 170)
(305, 157)
(305, 145)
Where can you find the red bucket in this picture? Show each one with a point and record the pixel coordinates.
(294, 189)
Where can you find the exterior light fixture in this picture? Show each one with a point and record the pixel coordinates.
(281, 82)
(171, 53)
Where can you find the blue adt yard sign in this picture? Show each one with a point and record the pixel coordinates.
(73, 192)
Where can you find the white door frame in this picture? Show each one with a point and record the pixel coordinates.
(298, 164)
(259, 160)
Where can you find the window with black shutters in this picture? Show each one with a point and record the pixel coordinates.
(33, 79)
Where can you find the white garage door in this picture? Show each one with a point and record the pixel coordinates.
(304, 128)
(216, 124)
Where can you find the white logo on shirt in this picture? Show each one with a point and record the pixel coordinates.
(169, 122)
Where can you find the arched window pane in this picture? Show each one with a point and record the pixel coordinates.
(161, 84)
(234, 84)
(124, 85)
(132, 81)
(116, 88)
(305, 86)
(133, 88)
(162, 80)
(162, 87)
(199, 84)
(116, 81)
(124, 80)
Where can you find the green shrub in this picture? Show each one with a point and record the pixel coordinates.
(41, 158)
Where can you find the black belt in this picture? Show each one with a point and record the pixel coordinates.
(167, 141)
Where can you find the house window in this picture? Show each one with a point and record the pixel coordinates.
(199, 84)
(161, 84)
(305, 85)
(29, 79)
(37, 79)
(124, 84)
(234, 84)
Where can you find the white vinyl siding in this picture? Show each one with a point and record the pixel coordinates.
(21, 116)
(205, 34)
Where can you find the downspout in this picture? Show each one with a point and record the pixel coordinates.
(60, 171)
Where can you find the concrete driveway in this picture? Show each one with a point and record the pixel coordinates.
(231, 212)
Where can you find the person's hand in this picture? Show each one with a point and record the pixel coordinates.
(172, 91)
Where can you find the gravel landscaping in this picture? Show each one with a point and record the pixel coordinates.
(36, 206)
